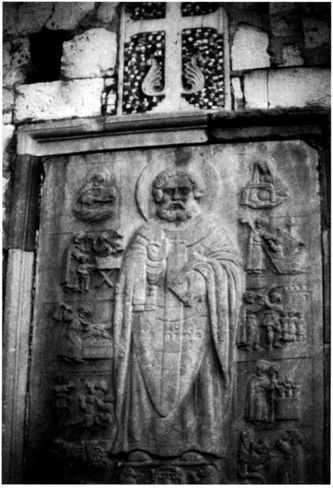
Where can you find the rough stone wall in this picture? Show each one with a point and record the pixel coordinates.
(280, 55)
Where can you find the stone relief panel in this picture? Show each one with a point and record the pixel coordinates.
(90, 255)
(175, 342)
(274, 319)
(95, 198)
(265, 189)
(279, 460)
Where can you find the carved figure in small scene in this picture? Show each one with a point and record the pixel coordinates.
(88, 253)
(207, 475)
(266, 189)
(96, 199)
(78, 331)
(250, 325)
(284, 321)
(300, 327)
(63, 392)
(180, 272)
(291, 471)
(91, 330)
(261, 240)
(274, 249)
(83, 270)
(258, 394)
(128, 477)
(102, 246)
(96, 406)
(71, 345)
(270, 398)
(292, 326)
(252, 457)
(74, 257)
(271, 319)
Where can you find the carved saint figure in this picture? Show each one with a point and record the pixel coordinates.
(300, 327)
(258, 406)
(71, 345)
(271, 319)
(176, 307)
(250, 326)
(252, 457)
(291, 471)
(266, 189)
(95, 200)
(75, 268)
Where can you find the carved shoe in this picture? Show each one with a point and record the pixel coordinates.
(192, 457)
(139, 457)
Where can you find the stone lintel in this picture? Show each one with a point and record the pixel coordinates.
(109, 133)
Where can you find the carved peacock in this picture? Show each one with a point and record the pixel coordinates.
(194, 75)
(151, 85)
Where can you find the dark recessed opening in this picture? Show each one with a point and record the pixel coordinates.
(46, 51)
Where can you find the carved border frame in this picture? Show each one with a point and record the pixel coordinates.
(111, 133)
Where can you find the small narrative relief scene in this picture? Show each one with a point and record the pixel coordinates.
(177, 317)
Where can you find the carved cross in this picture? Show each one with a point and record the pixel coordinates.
(173, 24)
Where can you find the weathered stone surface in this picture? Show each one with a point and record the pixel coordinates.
(89, 55)
(299, 87)
(291, 55)
(9, 17)
(107, 12)
(281, 7)
(7, 145)
(7, 105)
(16, 334)
(32, 16)
(316, 32)
(255, 89)
(16, 61)
(58, 100)
(67, 15)
(238, 96)
(249, 49)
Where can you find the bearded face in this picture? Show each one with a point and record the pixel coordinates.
(178, 203)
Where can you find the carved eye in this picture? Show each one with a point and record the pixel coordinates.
(98, 180)
(169, 191)
(184, 190)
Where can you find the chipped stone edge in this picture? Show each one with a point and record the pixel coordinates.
(17, 319)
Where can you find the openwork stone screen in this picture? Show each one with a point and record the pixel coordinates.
(174, 56)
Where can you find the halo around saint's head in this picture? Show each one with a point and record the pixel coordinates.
(208, 173)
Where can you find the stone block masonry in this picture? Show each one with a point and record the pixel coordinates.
(89, 55)
(299, 87)
(59, 100)
(249, 49)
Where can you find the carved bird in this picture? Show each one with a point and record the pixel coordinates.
(194, 75)
(153, 79)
